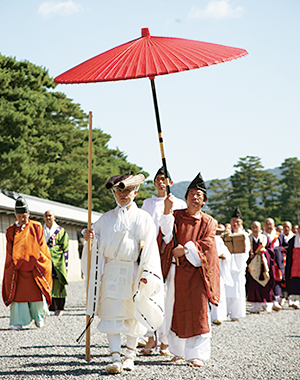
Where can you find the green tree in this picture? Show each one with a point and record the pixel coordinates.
(44, 141)
(38, 128)
(219, 202)
(246, 188)
(270, 192)
(290, 194)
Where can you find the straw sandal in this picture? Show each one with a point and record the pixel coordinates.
(177, 360)
(146, 351)
(196, 363)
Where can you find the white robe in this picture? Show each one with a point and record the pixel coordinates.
(220, 312)
(155, 207)
(115, 294)
(236, 294)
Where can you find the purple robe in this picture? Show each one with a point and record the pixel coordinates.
(292, 284)
(256, 292)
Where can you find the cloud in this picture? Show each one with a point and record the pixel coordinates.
(51, 8)
(217, 9)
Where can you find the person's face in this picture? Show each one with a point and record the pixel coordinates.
(125, 196)
(23, 218)
(286, 228)
(236, 224)
(295, 229)
(159, 182)
(269, 225)
(195, 199)
(49, 218)
(256, 229)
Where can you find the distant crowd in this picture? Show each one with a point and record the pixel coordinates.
(259, 265)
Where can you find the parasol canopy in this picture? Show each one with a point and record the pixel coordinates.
(149, 56)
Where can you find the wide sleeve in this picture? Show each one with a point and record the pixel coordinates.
(65, 247)
(94, 276)
(224, 263)
(166, 224)
(207, 250)
(210, 262)
(149, 298)
(42, 271)
(8, 284)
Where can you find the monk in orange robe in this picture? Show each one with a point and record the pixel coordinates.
(28, 270)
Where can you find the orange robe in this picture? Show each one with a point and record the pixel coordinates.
(193, 285)
(28, 265)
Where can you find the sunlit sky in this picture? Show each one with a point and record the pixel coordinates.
(210, 116)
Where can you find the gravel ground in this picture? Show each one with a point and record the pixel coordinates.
(264, 346)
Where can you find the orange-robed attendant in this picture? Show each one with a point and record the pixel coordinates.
(28, 270)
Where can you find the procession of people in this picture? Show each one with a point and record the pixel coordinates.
(164, 273)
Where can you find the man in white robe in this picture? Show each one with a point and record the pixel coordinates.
(219, 313)
(236, 294)
(155, 207)
(125, 281)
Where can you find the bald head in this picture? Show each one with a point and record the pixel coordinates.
(49, 218)
(255, 228)
(269, 225)
(287, 227)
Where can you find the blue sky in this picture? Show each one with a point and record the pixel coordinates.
(210, 116)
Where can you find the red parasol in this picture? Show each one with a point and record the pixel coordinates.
(146, 56)
(150, 56)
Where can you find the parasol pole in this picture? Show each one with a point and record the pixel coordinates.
(89, 226)
(162, 151)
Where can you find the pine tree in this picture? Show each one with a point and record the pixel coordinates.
(246, 188)
(44, 141)
(290, 195)
(219, 202)
(270, 191)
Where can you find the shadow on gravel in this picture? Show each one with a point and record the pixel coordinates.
(70, 314)
(158, 363)
(56, 346)
(82, 371)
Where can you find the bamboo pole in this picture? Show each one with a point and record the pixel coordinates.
(162, 151)
(89, 226)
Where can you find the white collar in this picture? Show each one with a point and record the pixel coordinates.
(48, 232)
(288, 237)
(122, 216)
(272, 235)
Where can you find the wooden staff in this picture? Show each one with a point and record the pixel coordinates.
(162, 152)
(89, 226)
